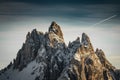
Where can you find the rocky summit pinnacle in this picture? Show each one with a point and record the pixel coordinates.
(45, 56)
(56, 29)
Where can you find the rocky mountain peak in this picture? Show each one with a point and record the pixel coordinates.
(85, 41)
(46, 57)
(55, 28)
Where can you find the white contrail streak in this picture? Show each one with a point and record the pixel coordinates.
(103, 20)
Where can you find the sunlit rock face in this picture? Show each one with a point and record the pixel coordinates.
(45, 56)
(55, 28)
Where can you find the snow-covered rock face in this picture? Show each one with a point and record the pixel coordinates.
(46, 57)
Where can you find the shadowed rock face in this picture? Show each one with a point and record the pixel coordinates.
(46, 57)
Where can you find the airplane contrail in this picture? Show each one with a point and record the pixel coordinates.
(103, 20)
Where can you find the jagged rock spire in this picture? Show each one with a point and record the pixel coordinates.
(85, 41)
(54, 27)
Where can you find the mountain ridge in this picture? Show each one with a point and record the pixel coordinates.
(45, 56)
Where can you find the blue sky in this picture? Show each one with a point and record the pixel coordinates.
(75, 17)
